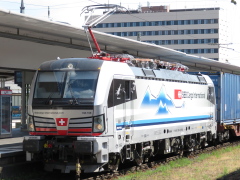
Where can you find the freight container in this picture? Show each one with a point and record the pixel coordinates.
(227, 89)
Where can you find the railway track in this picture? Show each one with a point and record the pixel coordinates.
(36, 172)
(155, 162)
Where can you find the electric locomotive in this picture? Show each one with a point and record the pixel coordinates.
(93, 114)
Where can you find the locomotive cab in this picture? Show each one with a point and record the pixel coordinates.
(67, 115)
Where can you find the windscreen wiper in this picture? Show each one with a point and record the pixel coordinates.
(48, 101)
(74, 99)
(60, 84)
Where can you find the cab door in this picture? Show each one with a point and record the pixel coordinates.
(128, 110)
(124, 94)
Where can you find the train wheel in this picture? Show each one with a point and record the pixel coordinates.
(138, 155)
(114, 160)
(138, 160)
(190, 143)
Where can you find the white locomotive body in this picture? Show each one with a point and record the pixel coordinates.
(99, 113)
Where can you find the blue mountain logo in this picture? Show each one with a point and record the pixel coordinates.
(162, 102)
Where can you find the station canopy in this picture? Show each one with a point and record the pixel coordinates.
(21, 27)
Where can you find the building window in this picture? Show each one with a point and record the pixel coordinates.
(195, 31)
(158, 23)
(169, 32)
(99, 26)
(187, 22)
(175, 32)
(181, 41)
(149, 33)
(181, 22)
(186, 41)
(180, 31)
(198, 51)
(172, 32)
(124, 34)
(195, 51)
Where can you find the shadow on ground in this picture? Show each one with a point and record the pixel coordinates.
(232, 176)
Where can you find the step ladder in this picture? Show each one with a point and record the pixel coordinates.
(128, 151)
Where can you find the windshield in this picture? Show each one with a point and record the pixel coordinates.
(68, 84)
(80, 84)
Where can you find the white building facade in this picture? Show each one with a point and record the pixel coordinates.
(202, 32)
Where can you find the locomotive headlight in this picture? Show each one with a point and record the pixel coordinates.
(98, 124)
(30, 123)
(98, 127)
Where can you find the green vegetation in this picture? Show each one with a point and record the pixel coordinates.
(207, 166)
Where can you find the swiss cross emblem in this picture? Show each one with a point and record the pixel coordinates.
(62, 121)
(177, 94)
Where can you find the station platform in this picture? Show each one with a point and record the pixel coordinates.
(12, 157)
(11, 148)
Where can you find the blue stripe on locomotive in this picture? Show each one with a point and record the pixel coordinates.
(149, 122)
